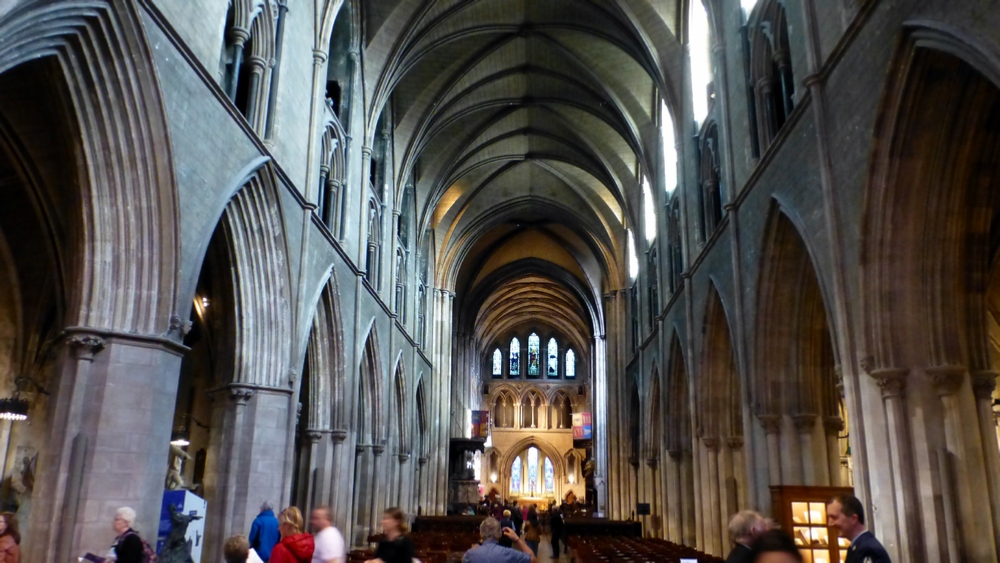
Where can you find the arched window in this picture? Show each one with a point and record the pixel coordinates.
(669, 148)
(652, 285)
(533, 488)
(570, 363)
(251, 39)
(515, 476)
(676, 254)
(770, 81)
(633, 258)
(401, 284)
(550, 477)
(553, 363)
(534, 351)
(710, 178)
(374, 243)
(699, 33)
(649, 210)
(497, 363)
(515, 357)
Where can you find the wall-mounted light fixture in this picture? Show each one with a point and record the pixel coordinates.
(205, 302)
(14, 408)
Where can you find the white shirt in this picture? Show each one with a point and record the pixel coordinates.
(329, 546)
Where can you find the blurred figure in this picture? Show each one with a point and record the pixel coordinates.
(846, 513)
(264, 533)
(128, 546)
(328, 540)
(533, 530)
(775, 546)
(236, 550)
(492, 552)
(556, 528)
(10, 539)
(394, 547)
(517, 517)
(295, 546)
(745, 527)
(506, 523)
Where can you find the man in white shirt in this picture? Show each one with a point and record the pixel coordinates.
(329, 542)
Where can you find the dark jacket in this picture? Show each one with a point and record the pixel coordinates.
(504, 540)
(399, 550)
(128, 547)
(866, 549)
(296, 548)
(740, 554)
(264, 534)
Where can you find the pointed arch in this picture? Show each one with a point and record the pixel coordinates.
(795, 358)
(325, 357)
(126, 181)
(719, 404)
(654, 417)
(371, 427)
(678, 436)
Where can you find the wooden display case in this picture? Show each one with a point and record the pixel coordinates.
(801, 511)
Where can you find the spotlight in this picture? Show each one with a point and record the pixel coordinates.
(179, 438)
(205, 302)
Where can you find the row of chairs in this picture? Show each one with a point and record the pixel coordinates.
(633, 550)
(430, 547)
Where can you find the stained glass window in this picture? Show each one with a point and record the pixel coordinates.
(532, 471)
(570, 363)
(515, 476)
(553, 362)
(550, 477)
(534, 349)
(497, 363)
(515, 357)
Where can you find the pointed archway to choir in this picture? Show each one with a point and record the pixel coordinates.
(929, 287)
(720, 429)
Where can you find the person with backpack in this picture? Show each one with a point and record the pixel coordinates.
(129, 547)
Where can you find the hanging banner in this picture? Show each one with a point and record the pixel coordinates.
(480, 424)
(582, 429)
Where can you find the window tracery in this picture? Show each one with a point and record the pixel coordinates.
(515, 357)
(534, 350)
(553, 363)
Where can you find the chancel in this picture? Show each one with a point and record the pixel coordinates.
(637, 266)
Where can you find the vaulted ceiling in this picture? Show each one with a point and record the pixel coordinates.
(526, 127)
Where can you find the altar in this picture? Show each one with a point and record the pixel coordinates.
(541, 504)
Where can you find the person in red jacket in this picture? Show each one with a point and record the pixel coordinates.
(295, 546)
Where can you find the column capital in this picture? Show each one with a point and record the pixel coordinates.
(633, 461)
(651, 462)
(771, 423)
(892, 381)
(946, 380)
(422, 460)
(239, 394)
(403, 457)
(314, 436)
(712, 444)
(734, 442)
(378, 449)
(85, 346)
(984, 383)
(674, 454)
(366, 151)
(804, 422)
(833, 424)
(338, 435)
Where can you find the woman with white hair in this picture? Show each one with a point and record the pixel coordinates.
(128, 546)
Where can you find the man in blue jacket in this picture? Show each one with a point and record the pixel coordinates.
(264, 533)
(846, 513)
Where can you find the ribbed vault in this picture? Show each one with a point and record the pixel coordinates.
(526, 129)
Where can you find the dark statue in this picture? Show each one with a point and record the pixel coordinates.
(177, 549)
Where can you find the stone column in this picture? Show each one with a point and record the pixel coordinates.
(983, 385)
(699, 473)
(674, 502)
(687, 522)
(726, 507)
(833, 426)
(805, 423)
(772, 428)
(340, 481)
(405, 483)
(735, 444)
(975, 521)
(656, 512)
(892, 382)
(712, 512)
(377, 487)
(110, 418)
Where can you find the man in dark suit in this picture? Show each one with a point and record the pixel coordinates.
(848, 516)
(744, 528)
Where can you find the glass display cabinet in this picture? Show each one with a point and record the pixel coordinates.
(801, 511)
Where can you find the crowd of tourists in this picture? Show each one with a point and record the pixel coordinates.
(512, 538)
